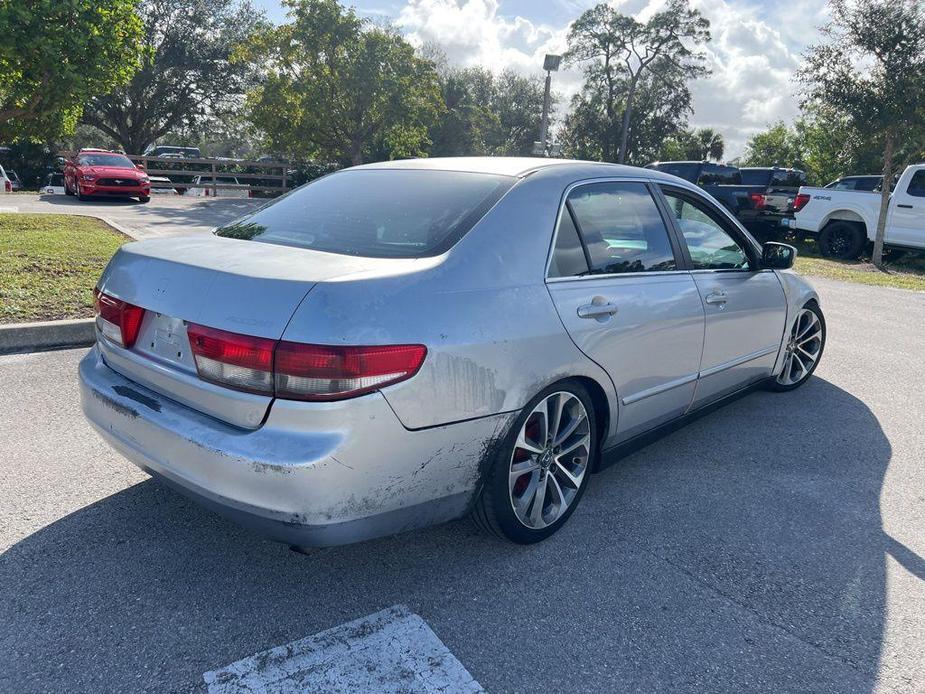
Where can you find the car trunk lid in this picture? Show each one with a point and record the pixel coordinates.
(238, 286)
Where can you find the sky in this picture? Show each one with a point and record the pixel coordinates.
(753, 54)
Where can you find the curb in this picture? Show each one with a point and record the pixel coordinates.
(46, 335)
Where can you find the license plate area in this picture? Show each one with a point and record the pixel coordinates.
(164, 339)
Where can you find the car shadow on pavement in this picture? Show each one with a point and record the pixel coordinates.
(742, 553)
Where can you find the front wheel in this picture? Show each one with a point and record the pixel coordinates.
(80, 195)
(542, 468)
(144, 198)
(67, 188)
(803, 350)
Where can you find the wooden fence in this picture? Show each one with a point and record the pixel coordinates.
(256, 176)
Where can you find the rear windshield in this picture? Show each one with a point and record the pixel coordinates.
(755, 177)
(395, 213)
(686, 170)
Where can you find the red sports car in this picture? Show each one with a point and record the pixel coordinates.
(99, 172)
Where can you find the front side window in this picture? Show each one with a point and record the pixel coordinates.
(621, 228)
(376, 213)
(711, 247)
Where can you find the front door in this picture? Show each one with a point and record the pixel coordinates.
(906, 226)
(745, 307)
(615, 280)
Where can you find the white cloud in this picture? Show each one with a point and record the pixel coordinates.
(754, 52)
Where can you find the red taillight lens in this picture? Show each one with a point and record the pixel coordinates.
(758, 200)
(241, 362)
(8, 185)
(799, 202)
(116, 319)
(297, 371)
(322, 372)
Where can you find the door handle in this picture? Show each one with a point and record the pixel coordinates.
(593, 310)
(906, 207)
(716, 297)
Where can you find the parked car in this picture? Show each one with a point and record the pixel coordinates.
(869, 182)
(96, 172)
(15, 183)
(161, 185)
(226, 187)
(760, 197)
(173, 152)
(6, 185)
(846, 220)
(396, 344)
(54, 184)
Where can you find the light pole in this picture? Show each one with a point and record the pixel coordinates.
(550, 65)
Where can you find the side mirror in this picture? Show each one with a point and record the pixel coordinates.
(777, 256)
(140, 166)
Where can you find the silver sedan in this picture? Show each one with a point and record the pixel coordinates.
(399, 344)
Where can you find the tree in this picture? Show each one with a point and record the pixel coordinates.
(621, 52)
(779, 145)
(188, 79)
(871, 68)
(341, 89)
(487, 114)
(701, 144)
(54, 55)
(663, 103)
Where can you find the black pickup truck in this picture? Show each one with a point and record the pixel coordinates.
(759, 197)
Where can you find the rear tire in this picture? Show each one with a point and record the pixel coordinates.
(842, 240)
(542, 467)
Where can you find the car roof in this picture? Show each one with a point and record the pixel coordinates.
(512, 166)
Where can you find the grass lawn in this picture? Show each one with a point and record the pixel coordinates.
(49, 264)
(906, 271)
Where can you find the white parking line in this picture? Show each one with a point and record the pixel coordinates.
(390, 651)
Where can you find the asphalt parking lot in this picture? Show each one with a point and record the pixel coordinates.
(164, 215)
(774, 545)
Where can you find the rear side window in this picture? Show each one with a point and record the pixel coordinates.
(917, 184)
(621, 228)
(376, 213)
(568, 257)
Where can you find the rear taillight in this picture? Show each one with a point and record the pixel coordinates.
(241, 362)
(297, 371)
(8, 185)
(799, 202)
(758, 200)
(118, 320)
(321, 372)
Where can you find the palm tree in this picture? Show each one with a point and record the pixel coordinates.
(710, 143)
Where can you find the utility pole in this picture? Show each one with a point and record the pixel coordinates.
(550, 65)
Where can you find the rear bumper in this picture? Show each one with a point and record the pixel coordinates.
(314, 474)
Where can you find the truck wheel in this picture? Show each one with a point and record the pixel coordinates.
(841, 240)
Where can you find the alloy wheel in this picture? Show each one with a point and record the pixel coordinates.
(549, 460)
(803, 348)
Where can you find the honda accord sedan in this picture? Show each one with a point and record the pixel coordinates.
(400, 344)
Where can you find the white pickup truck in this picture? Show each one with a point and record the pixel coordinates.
(846, 220)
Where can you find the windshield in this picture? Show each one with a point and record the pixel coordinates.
(114, 161)
(394, 213)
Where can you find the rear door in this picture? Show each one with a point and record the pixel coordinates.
(907, 219)
(616, 280)
(745, 306)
